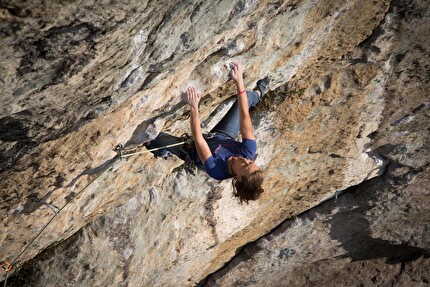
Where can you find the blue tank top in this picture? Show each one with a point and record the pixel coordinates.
(222, 149)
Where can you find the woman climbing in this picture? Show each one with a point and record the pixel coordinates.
(220, 155)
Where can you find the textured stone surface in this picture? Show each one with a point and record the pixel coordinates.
(374, 234)
(79, 77)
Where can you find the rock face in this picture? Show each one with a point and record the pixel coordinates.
(373, 234)
(343, 136)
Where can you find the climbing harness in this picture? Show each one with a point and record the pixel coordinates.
(122, 153)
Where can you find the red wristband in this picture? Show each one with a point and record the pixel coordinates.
(244, 91)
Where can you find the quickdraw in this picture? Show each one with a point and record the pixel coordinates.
(119, 148)
(6, 265)
(188, 141)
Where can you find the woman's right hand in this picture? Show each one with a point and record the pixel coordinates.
(193, 97)
(236, 71)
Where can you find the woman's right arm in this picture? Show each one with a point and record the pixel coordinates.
(202, 147)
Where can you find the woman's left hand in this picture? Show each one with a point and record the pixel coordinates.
(193, 97)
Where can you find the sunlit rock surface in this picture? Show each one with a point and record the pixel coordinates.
(349, 104)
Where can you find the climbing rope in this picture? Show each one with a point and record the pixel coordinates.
(120, 155)
(5, 280)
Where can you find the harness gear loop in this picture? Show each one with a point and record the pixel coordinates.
(6, 265)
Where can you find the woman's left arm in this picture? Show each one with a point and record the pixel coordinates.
(246, 129)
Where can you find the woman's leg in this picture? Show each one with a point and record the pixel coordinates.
(230, 124)
(162, 140)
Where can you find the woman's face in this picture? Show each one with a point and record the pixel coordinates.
(242, 166)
